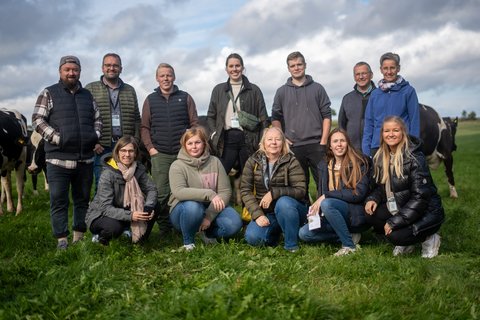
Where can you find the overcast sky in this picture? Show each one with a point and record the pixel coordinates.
(438, 42)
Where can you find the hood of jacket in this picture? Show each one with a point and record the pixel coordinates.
(308, 80)
(191, 161)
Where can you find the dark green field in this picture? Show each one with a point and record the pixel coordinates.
(235, 281)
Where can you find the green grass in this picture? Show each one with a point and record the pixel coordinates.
(235, 281)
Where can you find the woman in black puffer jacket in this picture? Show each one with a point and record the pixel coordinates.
(404, 205)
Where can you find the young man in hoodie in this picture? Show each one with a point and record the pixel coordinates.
(301, 107)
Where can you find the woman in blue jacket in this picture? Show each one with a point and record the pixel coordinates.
(393, 97)
(344, 184)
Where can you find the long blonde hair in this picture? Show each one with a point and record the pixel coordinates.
(351, 166)
(383, 157)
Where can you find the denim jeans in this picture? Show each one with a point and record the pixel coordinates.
(334, 226)
(60, 180)
(289, 214)
(98, 165)
(187, 216)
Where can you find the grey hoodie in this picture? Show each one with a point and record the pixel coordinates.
(301, 110)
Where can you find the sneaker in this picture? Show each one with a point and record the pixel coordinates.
(430, 246)
(206, 239)
(62, 244)
(127, 234)
(188, 247)
(399, 250)
(344, 251)
(292, 250)
(356, 238)
(95, 238)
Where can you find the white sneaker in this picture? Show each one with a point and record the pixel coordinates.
(188, 247)
(356, 238)
(430, 246)
(206, 239)
(344, 251)
(399, 250)
(95, 238)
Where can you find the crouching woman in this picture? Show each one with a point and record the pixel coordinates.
(126, 195)
(344, 184)
(200, 193)
(405, 205)
(273, 188)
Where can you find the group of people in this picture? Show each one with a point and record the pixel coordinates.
(369, 172)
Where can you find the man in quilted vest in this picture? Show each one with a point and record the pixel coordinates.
(118, 105)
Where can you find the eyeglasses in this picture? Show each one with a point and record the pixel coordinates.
(130, 151)
(114, 66)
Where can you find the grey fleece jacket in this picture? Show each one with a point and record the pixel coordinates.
(301, 110)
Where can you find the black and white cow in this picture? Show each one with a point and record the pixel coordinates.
(36, 160)
(13, 153)
(438, 135)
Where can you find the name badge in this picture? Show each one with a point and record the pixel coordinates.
(234, 123)
(392, 205)
(116, 120)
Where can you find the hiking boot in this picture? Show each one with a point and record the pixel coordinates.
(430, 246)
(400, 250)
(344, 251)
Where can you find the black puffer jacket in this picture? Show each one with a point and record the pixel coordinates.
(417, 199)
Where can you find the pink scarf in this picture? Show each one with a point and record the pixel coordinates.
(133, 198)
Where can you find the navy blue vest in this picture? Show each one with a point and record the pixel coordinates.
(169, 120)
(73, 117)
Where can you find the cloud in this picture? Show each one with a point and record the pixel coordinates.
(143, 26)
(27, 25)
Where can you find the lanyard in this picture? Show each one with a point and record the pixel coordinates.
(234, 101)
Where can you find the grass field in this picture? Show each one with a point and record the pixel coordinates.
(235, 281)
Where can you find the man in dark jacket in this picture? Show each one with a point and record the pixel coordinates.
(302, 108)
(352, 110)
(68, 119)
(167, 113)
(118, 105)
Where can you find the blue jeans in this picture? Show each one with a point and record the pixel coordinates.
(187, 216)
(60, 180)
(289, 214)
(334, 226)
(98, 165)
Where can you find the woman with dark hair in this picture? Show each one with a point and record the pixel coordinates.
(232, 142)
(405, 205)
(273, 189)
(126, 195)
(200, 193)
(344, 184)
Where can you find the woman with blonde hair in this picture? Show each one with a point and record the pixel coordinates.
(273, 189)
(200, 193)
(344, 184)
(404, 205)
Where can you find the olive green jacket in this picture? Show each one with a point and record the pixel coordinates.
(129, 112)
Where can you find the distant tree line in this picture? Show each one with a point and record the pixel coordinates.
(468, 115)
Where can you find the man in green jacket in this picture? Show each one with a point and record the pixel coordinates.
(118, 105)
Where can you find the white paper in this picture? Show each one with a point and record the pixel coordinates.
(314, 222)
